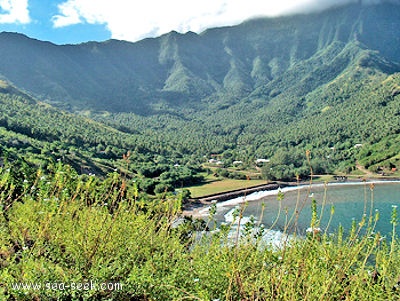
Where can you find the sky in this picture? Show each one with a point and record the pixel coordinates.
(77, 21)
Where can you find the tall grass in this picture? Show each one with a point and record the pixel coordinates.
(60, 227)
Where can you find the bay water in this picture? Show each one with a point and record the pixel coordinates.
(289, 209)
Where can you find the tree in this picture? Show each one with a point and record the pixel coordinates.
(163, 187)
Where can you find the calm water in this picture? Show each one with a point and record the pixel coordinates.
(350, 203)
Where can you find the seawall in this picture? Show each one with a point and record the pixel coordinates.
(224, 196)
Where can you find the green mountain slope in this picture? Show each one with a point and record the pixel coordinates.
(268, 88)
(224, 64)
(35, 134)
(41, 134)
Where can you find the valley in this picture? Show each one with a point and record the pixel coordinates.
(180, 98)
(104, 144)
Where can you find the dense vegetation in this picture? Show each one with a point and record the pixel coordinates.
(42, 135)
(360, 107)
(60, 230)
(98, 141)
(268, 88)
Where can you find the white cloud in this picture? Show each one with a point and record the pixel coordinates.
(133, 20)
(14, 11)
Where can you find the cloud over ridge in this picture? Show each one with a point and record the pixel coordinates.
(134, 20)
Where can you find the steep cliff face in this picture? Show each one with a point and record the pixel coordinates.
(262, 58)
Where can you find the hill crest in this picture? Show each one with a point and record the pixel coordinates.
(190, 69)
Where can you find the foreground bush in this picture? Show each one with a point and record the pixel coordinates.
(71, 237)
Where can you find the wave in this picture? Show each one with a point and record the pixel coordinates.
(269, 237)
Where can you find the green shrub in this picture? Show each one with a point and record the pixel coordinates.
(66, 229)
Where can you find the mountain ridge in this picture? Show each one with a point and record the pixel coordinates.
(248, 91)
(175, 67)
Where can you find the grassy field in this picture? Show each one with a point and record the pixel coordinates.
(217, 186)
(214, 185)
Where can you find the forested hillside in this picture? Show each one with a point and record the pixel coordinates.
(271, 88)
(39, 135)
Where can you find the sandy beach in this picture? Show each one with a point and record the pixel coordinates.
(198, 208)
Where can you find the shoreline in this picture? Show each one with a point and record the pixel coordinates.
(196, 204)
(198, 208)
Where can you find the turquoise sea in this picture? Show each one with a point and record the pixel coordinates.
(351, 201)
